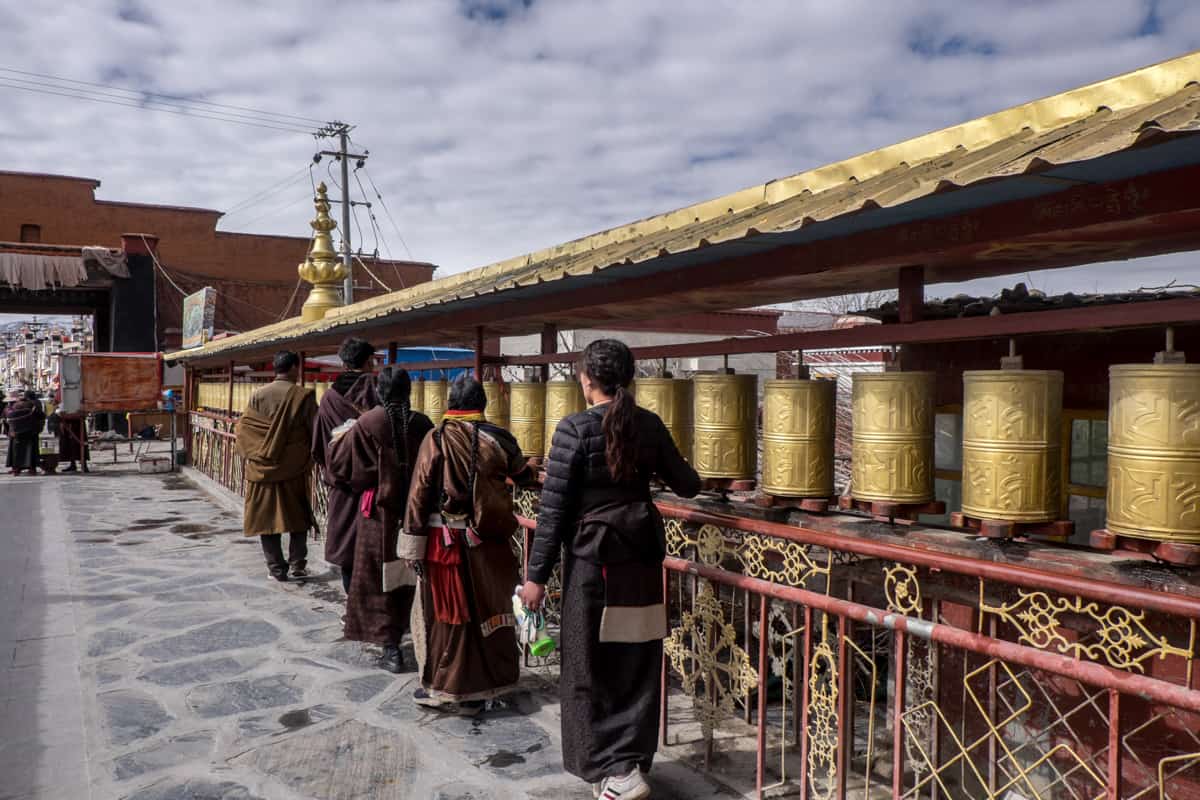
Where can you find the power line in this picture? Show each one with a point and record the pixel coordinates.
(195, 114)
(387, 211)
(255, 199)
(278, 209)
(175, 98)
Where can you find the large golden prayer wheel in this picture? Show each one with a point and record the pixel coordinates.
(1012, 444)
(527, 417)
(725, 416)
(435, 400)
(671, 400)
(798, 423)
(1154, 452)
(892, 440)
(497, 403)
(563, 398)
(416, 396)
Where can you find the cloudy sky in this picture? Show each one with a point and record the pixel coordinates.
(496, 127)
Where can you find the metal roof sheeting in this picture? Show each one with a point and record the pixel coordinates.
(1086, 123)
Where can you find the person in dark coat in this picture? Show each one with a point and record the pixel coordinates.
(597, 512)
(26, 418)
(350, 396)
(375, 459)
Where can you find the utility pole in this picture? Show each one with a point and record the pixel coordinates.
(342, 131)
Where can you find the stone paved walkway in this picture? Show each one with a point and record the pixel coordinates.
(147, 656)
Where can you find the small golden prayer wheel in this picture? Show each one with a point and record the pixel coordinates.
(416, 396)
(725, 419)
(497, 403)
(1012, 444)
(671, 399)
(892, 440)
(563, 398)
(435, 400)
(798, 422)
(527, 417)
(1154, 452)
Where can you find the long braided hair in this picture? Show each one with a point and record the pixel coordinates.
(609, 364)
(467, 394)
(394, 387)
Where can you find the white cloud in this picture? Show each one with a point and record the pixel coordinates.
(493, 138)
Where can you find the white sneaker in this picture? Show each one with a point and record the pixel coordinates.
(624, 787)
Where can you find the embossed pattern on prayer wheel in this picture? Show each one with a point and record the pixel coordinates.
(671, 399)
(725, 411)
(1154, 451)
(527, 417)
(497, 403)
(563, 398)
(892, 440)
(798, 417)
(416, 396)
(1012, 444)
(435, 400)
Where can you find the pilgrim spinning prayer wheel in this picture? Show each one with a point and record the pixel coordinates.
(892, 439)
(1012, 444)
(1154, 451)
(563, 398)
(671, 399)
(497, 403)
(416, 395)
(798, 422)
(724, 418)
(435, 400)
(527, 417)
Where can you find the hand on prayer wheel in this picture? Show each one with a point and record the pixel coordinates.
(725, 416)
(798, 417)
(1012, 434)
(1154, 452)
(527, 417)
(671, 400)
(892, 440)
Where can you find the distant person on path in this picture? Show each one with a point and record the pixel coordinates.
(375, 458)
(596, 510)
(273, 437)
(26, 419)
(351, 395)
(72, 436)
(459, 530)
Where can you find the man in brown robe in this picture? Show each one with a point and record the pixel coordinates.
(273, 438)
(459, 529)
(350, 396)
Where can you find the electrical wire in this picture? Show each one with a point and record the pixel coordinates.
(277, 210)
(255, 199)
(291, 300)
(144, 95)
(77, 95)
(363, 264)
(388, 212)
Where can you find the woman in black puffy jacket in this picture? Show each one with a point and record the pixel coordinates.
(596, 510)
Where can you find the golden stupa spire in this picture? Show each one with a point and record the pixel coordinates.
(322, 268)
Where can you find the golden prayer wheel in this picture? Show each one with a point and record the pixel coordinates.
(1012, 444)
(1154, 452)
(497, 403)
(527, 417)
(798, 422)
(892, 440)
(416, 396)
(724, 419)
(563, 398)
(434, 406)
(671, 399)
